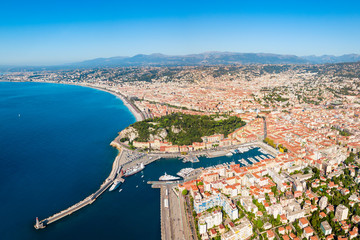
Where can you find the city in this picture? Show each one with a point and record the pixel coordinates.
(309, 189)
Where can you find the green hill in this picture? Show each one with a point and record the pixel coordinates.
(183, 129)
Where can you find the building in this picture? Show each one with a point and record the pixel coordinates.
(323, 203)
(325, 228)
(202, 227)
(206, 203)
(229, 207)
(341, 212)
(209, 220)
(239, 232)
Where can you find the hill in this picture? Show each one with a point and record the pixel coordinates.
(181, 129)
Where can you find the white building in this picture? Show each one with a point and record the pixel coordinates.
(341, 212)
(209, 220)
(240, 232)
(323, 203)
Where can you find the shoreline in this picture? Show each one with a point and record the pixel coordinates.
(130, 106)
(137, 114)
(133, 109)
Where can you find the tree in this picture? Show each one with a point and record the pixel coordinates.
(274, 190)
(259, 223)
(184, 192)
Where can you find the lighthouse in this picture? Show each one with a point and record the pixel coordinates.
(38, 225)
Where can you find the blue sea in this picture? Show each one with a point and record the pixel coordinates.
(54, 151)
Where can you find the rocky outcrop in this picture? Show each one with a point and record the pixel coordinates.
(161, 134)
(129, 133)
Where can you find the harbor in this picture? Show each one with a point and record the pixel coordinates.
(134, 161)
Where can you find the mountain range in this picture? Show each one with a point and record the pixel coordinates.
(207, 58)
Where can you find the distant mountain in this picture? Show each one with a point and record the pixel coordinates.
(332, 58)
(207, 58)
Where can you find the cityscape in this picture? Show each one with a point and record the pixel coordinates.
(305, 117)
(188, 120)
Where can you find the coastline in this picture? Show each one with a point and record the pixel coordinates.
(133, 109)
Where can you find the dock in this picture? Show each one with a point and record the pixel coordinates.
(40, 224)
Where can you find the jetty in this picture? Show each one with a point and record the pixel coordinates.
(88, 200)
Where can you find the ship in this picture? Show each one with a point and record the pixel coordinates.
(134, 170)
(185, 172)
(167, 177)
(116, 184)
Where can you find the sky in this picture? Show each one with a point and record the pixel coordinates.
(52, 32)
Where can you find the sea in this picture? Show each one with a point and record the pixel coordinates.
(55, 151)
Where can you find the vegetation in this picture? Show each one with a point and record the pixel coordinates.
(189, 128)
(184, 192)
(274, 145)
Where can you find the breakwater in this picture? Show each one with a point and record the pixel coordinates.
(88, 200)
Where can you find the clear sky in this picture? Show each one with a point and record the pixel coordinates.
(52, 32)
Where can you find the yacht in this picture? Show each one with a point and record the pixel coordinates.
(167, 177)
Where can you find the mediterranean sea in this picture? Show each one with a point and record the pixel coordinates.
(54, 152)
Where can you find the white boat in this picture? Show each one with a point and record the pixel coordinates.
(116, 184)
(120, 190)
(258, 158)
(167, 177)
(185, 172)
(229, 154)
(133, 170)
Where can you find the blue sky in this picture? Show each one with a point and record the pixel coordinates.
(53, 32)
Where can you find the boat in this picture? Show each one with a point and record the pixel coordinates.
(185, 172)
(116, 184)
(167, 177)
(120, 190)
(134, 170)
(229, 154)
(235, 151)
(258, 158)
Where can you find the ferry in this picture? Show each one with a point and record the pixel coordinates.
(185, 172)
(134, 170)
(116, 184)
(167, 177)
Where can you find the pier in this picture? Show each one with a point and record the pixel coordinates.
(88, 200)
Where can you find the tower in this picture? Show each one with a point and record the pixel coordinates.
(38, 224)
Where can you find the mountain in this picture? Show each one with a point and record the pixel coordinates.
(207, 58)
(332, 58)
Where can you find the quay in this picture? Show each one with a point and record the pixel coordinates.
(88, 200)
(174, 221)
